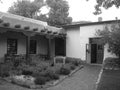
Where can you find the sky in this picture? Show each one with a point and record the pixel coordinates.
(80, 10)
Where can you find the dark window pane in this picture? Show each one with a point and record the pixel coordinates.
(32, 46)
(11, 46)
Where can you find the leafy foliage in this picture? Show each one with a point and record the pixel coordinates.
(5, 70)
(40, 80)
(58, 14)
(64, 71)
(111, 36)
(105, 4)
(26, 8)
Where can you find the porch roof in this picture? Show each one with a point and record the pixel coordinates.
(20, 23)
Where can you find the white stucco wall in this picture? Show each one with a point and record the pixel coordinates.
(78, 37)
(73, 42)
(87, 32)
(21, 48)
(41, 44)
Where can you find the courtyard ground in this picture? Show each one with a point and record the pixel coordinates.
(110, 80)
(84, 79)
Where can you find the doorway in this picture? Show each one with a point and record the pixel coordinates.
(95, 51)
(60, 47)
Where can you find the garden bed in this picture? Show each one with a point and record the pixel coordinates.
(39, 74)
(111, 64)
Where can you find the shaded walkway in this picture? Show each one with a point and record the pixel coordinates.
(84, 79)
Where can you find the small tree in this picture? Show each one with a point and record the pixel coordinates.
(59, 12)
(111, 36)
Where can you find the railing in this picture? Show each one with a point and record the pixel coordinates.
(22, 57)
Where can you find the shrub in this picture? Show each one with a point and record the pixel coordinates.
(111, 37)
(26, 72)
(64, 71)
(4, 74)
(72, 67)
(75, 61)
(35, 74)
(52, 64)
(40, 80)
(41, 74)
(51, 75)
(4, 70)
(111, 62)
(16, 72)
(69, 66)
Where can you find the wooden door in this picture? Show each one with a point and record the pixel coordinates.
(93, 53)
(100, 51)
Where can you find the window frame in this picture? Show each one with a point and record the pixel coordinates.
(12, 49)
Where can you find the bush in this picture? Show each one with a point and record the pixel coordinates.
(51, 75)
(36, 74)
(72, 67)
(112, 60)
(64, 71)
(69, 66)
(75, 61)
(40, 80)
(25, 72)
(4, 74)
(16, 72)
(110, 36)
(4, 70)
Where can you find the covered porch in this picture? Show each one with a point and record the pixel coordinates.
(22, 37)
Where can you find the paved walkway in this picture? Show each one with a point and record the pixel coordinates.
(110, 80)
(84, 79)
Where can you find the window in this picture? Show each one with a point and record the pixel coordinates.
(100, 47)
(11, 46)
(32, 46)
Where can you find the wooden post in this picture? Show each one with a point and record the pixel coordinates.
(49, 45)
(28, 35)
(64, 47)
(27, 48)
(49, 48)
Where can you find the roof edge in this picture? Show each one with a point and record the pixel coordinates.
(90, 23)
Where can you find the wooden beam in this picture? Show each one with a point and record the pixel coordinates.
(26, 27)
(6, 24)
(17, 26)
